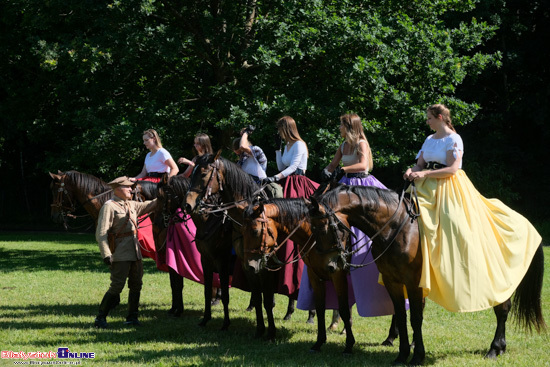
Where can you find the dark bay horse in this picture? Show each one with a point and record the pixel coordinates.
(390, 224)
(213, 239)
(72, 188)
(213, 174)
(266, 225)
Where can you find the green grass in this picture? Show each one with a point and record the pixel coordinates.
(51, 286)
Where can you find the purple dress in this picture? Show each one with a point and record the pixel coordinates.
(372, 299)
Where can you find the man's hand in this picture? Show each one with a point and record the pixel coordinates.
(108, 260)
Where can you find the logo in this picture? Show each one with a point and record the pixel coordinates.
(64, 352)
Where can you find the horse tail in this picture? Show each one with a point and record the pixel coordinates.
(527, 300)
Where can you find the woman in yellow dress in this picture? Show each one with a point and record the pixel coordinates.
(475, 250)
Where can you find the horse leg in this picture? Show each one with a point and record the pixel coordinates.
(416, 301)
(319, 291)
(397, 296)
(392, 334)
(340, 281)
(335, 321)
(498, 345)
(208, 279)
(268, 288)
(290, 308)
(176, 285)
(256, 300)
(224, 283)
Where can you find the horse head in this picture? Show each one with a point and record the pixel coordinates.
(259, 236)
(64, 201)
(206, 180)
(331, 231)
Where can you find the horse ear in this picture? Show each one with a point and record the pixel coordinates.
(218, 154)
(54, 176)
(314, 207)
(60, 173)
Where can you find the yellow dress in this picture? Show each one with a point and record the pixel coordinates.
(475, 250)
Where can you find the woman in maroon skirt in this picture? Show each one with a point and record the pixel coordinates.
(292, 164)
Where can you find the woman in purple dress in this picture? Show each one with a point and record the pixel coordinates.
(372, 299)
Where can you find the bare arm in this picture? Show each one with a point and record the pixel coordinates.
(173, 167)
(335, 161)
(142, 174)
(419, 172)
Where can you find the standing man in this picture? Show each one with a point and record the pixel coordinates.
(116, 235)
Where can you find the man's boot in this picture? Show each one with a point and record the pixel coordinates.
(109, 302)
(133, 308)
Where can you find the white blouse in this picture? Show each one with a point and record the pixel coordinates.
(157, 161)
(435, 150)
(292, 159)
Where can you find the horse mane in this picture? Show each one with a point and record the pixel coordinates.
(180, 184)
(240, 182)
(291, 211)
(371, 195)
(88, 184)
(148, 189)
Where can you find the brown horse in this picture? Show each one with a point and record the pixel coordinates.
(397, 253)
(72, 189)
(267, 225)
(213, 240)
(213, 174)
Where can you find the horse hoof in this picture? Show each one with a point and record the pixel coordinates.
(332, 327)
(287, 317)
(310, 321)
(387, 343)
(249, 308)
(215, 302)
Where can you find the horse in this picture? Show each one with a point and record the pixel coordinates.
(213, 174)
(213, 240)
(289, 218)
(73, 188)
(397, 253)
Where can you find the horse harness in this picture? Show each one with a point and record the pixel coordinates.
(67, 211)
(336, 223)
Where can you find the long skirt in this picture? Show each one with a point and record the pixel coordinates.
(294, 186)
(372, 298)
(475, 250)
(179, 251)
(182, 254)
(146, 238)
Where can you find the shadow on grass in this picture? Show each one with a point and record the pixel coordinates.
(72, 326)
(37, 260)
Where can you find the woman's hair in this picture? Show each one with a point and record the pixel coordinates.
(204, 142)
(151, 133)
(440, 109)
(354, 134)
(288, 130)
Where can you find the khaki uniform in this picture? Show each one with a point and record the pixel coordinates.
(127, 258)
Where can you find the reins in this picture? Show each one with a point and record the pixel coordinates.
(412, 211)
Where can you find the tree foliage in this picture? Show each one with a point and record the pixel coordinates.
(82, 79)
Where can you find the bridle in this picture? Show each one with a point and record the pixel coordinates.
(268, 252)
(67, 211)
(337, 226)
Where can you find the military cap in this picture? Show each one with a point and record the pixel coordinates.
(120, 181)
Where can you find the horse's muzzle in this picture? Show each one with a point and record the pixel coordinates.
(255, 265)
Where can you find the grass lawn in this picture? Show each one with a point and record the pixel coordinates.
(51, 285)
